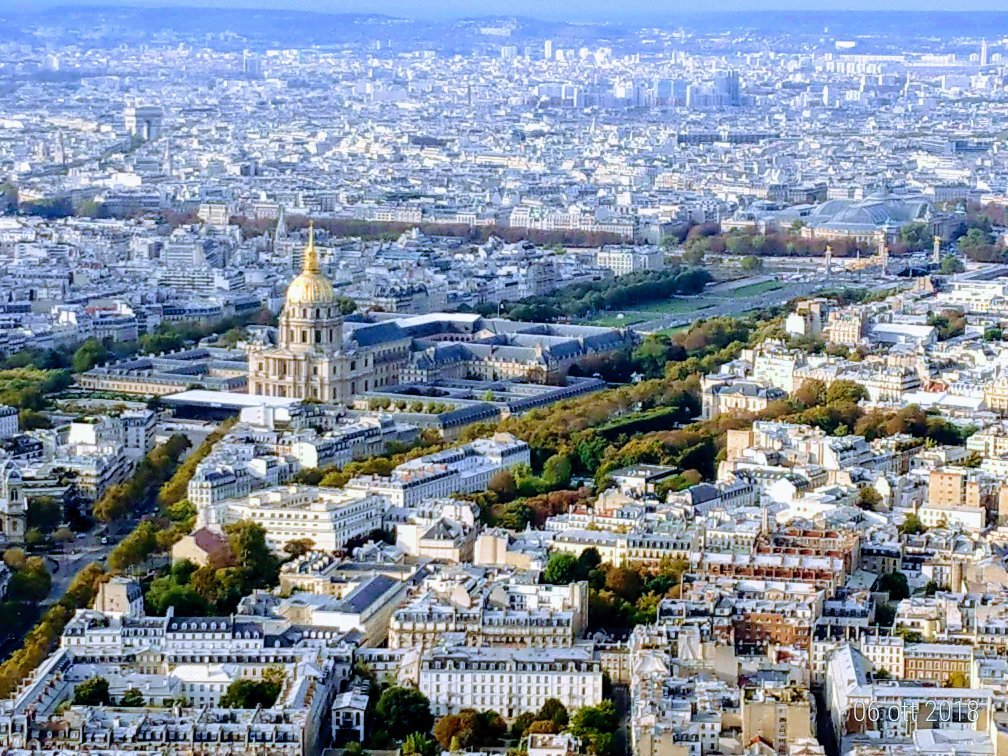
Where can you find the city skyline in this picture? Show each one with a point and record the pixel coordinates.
(591, 10)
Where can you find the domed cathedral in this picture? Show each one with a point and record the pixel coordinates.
(310, 360)
(13, 508)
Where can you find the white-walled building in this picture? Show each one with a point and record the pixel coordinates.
(461, 469)
(509, 681)
(329, 517)
(8, 421)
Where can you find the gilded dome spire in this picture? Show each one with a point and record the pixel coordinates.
(311, 263)
(310, 287)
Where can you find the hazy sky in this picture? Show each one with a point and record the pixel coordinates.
(567, 9)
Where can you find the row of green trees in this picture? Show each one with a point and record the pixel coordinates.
(706, 241)
(343, 227)
(418, 406)
(152, 535)
(175, 488)
(152, 472)
(148, 537)
(177, 514)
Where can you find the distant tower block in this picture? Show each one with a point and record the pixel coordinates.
(143, 121)
(829, 259)
(984, 54)
(251, 65)
(936, 250)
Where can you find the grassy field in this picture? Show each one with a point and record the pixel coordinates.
(752, 290)
(683, 305)
(677, 305)
(651, 310)
(612, 320)
(672, 331)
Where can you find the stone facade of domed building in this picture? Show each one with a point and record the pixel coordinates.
(318, 356)
(310, 359)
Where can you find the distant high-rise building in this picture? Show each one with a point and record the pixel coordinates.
(548, 49)
(143, 121)
(509, 52)
(728, 87)
(691, 95)
(984, 56)
(251, 65)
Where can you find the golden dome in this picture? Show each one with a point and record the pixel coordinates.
(310, 287)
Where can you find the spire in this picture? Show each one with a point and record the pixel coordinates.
(311, 263)
(281, 224)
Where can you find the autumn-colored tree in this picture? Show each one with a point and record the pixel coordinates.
(503, 484)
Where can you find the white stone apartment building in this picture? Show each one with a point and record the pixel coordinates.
(444, 530)
(133, 430)
(509, 681)
(623, 260)
(329, 517)
(8, 421)
(96, 468)
(506, 614)
(461, 469)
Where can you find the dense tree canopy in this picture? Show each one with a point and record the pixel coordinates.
(248, 693)
(158, 466)
(92, 692)
(196, 591)
(405, 710)
(470, 730)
